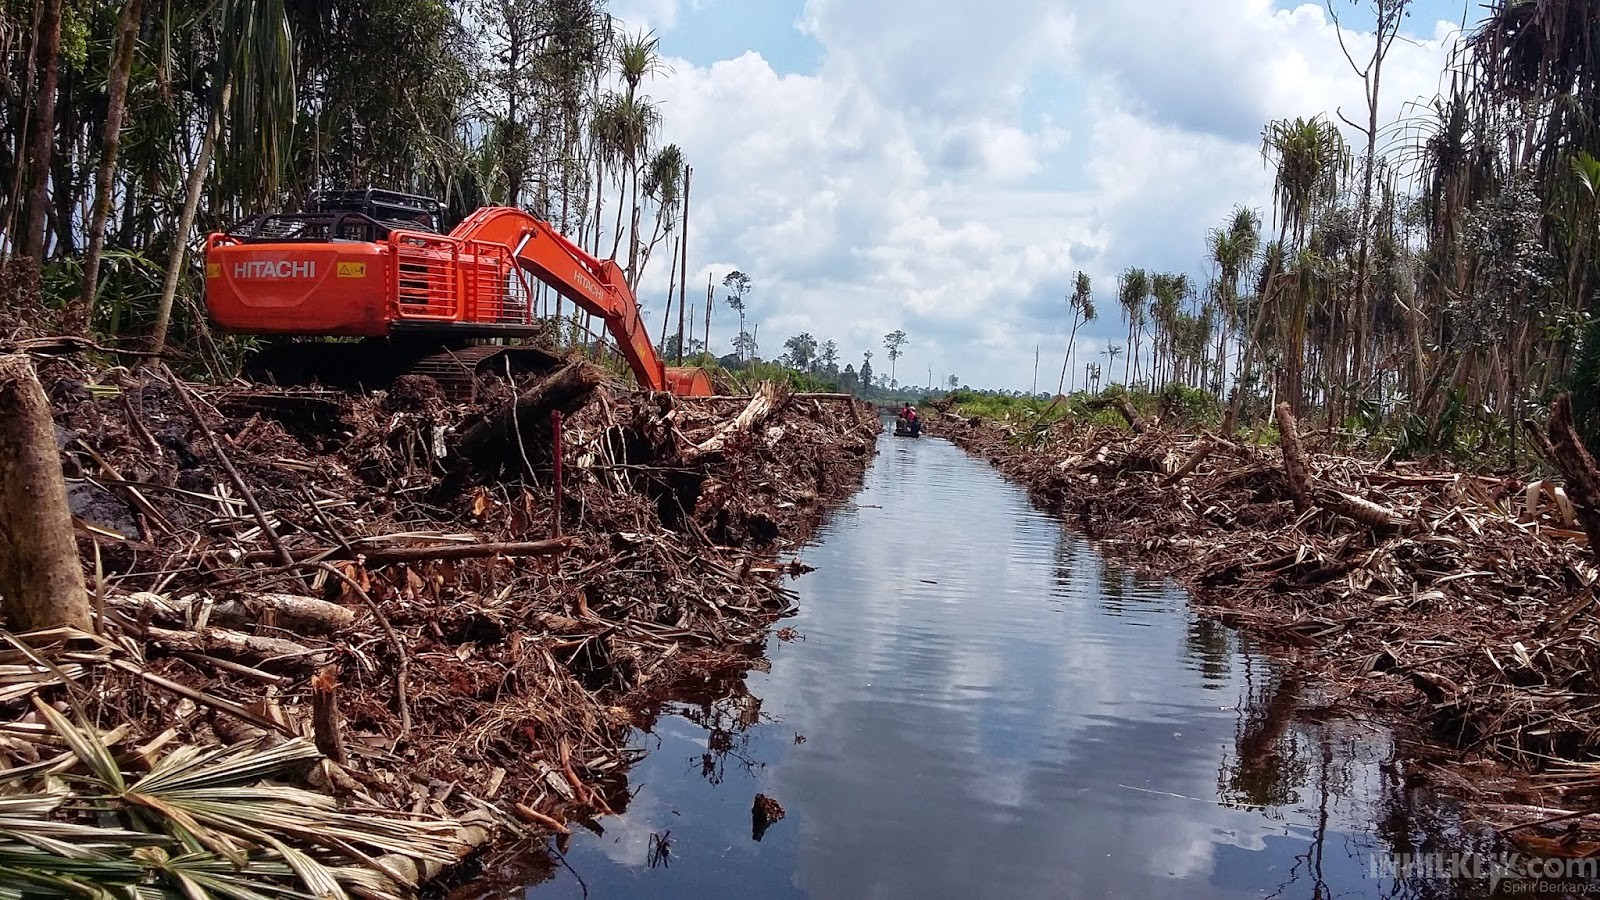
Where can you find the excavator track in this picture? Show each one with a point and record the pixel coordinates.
(459, 371)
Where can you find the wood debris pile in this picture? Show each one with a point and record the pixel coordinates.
(382, 575)
(1463, 601)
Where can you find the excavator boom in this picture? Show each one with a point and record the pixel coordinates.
(350, 273)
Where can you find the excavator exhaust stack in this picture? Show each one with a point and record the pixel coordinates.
(372, 264)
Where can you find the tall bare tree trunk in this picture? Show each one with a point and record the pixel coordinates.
(41, 579)
(672, 287)
(44, 133)
(127, 39)
(683, 261)
(191, 204)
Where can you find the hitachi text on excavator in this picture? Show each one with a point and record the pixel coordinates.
(372, 264)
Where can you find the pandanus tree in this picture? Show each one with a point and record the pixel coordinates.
(663, 186)
(1080, 306)
(1231, 249)
(1308, 158)
(1132, 290)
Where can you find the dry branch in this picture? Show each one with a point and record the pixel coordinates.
(389, 556)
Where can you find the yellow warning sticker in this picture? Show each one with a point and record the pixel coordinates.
(213, 270)
(352, 270)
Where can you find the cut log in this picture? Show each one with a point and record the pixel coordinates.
(41, 577)
(290, 612)
(494, 440)
(1360, 509)
(265, 652)
(325, 723)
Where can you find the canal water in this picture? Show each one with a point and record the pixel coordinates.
(972, 703)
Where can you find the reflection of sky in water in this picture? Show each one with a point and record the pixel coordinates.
(990, 711)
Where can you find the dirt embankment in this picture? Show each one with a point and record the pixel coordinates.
(382, 574)
(1462, 603)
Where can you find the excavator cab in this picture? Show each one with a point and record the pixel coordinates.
(349, 215)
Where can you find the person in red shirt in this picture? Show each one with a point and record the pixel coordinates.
(909, 413)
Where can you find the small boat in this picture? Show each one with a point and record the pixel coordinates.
(903, 429)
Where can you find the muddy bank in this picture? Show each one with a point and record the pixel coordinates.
(393, 578)
(1459, 603)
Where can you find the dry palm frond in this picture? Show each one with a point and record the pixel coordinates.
(201, 823)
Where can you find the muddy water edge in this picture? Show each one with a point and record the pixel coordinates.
(971, 701)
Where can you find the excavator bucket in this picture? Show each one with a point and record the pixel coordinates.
(689, 381)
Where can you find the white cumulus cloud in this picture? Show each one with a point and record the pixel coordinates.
(948, 166)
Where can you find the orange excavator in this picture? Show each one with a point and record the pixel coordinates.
(372, 264)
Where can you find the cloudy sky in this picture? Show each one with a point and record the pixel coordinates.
(943, 167)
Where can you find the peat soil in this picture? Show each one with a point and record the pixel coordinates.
(1459, 608)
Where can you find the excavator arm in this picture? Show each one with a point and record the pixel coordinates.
(594, 285)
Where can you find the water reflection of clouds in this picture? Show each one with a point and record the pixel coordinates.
(1034, 723)
(986, 720)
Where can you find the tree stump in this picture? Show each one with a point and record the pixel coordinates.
(41, 577)
(1294, 458)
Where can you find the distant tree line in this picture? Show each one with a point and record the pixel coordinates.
(1434, 282)
(133, 127)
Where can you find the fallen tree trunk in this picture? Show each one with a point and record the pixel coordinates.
(495, 440)
(41, 578)
(768, 399)
(1201, 451)
(1121, 404)
(1307, 493)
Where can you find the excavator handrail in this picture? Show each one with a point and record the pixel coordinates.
(594, 285)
